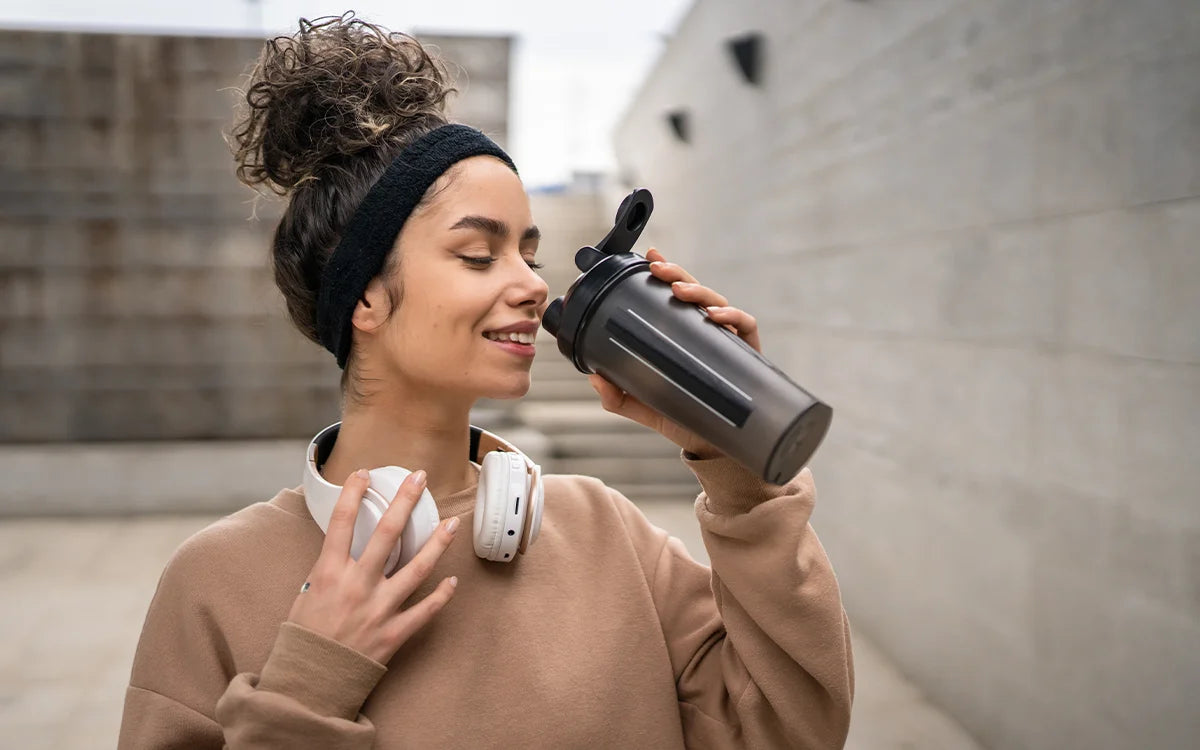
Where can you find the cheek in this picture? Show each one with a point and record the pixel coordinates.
(448, 327)
(444, 314)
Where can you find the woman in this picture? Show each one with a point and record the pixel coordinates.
(406, 245)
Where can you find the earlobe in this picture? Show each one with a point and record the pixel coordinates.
(370, 310)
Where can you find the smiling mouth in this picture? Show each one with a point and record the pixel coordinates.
(513, 338)
(518, 348)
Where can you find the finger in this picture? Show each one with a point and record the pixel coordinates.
(654, 255)
(669, 272)
(617, 401)
(340, 531)
(698, 294)
(383, 540)
(415, 617)
(743, 323)
(610, 395)
(407, 579)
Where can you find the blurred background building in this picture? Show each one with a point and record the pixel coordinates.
(137, 293)
(972, 226)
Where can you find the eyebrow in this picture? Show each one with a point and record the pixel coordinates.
(494, 227)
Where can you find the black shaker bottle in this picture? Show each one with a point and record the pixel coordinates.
(621, 322)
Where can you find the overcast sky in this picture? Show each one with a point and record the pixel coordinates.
(576, 65)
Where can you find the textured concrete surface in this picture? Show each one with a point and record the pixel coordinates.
(97, 479)
(972, 227)
(75, 592)
(136, 295)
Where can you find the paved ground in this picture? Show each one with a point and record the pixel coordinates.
(74, 593)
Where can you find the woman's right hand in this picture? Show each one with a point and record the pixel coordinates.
(353, 602)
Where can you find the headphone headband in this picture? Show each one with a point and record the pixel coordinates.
(482, 443)
(500, 514)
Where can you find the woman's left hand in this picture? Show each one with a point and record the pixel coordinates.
(687, 289)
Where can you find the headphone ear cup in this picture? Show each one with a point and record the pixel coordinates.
(533, 517)
(491, 503)
(370, 510)
(422, 520)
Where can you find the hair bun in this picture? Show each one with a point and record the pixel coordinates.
(336, 87)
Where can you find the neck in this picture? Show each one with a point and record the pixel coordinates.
(414, 433)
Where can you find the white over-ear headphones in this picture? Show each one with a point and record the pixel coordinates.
(508, 503)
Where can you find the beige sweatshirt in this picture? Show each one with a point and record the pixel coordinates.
(605, 635)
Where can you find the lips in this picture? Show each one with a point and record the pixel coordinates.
(524, 326)
(522, 332)
(517, 348)
(514, 337)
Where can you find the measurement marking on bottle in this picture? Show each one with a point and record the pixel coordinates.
(689, 355)
(671, 380)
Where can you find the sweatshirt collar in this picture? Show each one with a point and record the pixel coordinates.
(456, 504)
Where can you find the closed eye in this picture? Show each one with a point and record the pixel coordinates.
(484, 262)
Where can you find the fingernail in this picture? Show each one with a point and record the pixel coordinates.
(418, 477)
(716, 309)
(362, 474)
(453, 581)
(452, 525)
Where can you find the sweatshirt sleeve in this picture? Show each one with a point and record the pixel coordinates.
(760, 645)
(308, 696)
(184, 693)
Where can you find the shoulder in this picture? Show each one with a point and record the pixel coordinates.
(217, 605)
(580, 494)
(241, 541)
(588, 500)
(574, 486)
(232, 582)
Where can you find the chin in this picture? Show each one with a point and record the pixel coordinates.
(512, 387)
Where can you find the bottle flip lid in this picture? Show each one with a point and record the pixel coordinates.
(602, 266)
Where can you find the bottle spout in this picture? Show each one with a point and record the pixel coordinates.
(552, 318)
(586, 257)
(631, 219)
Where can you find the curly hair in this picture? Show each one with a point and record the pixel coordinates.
(338, 87)
(325, 112)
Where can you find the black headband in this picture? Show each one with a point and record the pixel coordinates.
(372, 230)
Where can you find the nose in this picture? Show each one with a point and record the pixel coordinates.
(530, 290)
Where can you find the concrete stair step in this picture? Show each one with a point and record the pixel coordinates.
(551, 365)
(684, 494)
(645, 444)
(561, 390)
(582, 438)
(625, 469)
(558, 417)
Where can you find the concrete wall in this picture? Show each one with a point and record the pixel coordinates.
(974, 228)
(480, 67)
(570, 217)
(136, 300)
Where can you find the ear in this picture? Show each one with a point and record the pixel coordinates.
(371, 311)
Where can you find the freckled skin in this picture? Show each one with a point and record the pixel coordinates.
(434, 341)
(433, 346)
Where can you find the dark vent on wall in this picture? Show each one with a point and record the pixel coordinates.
(680, 125)
(747, 52)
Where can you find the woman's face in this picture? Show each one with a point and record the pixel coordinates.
(465, 272)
